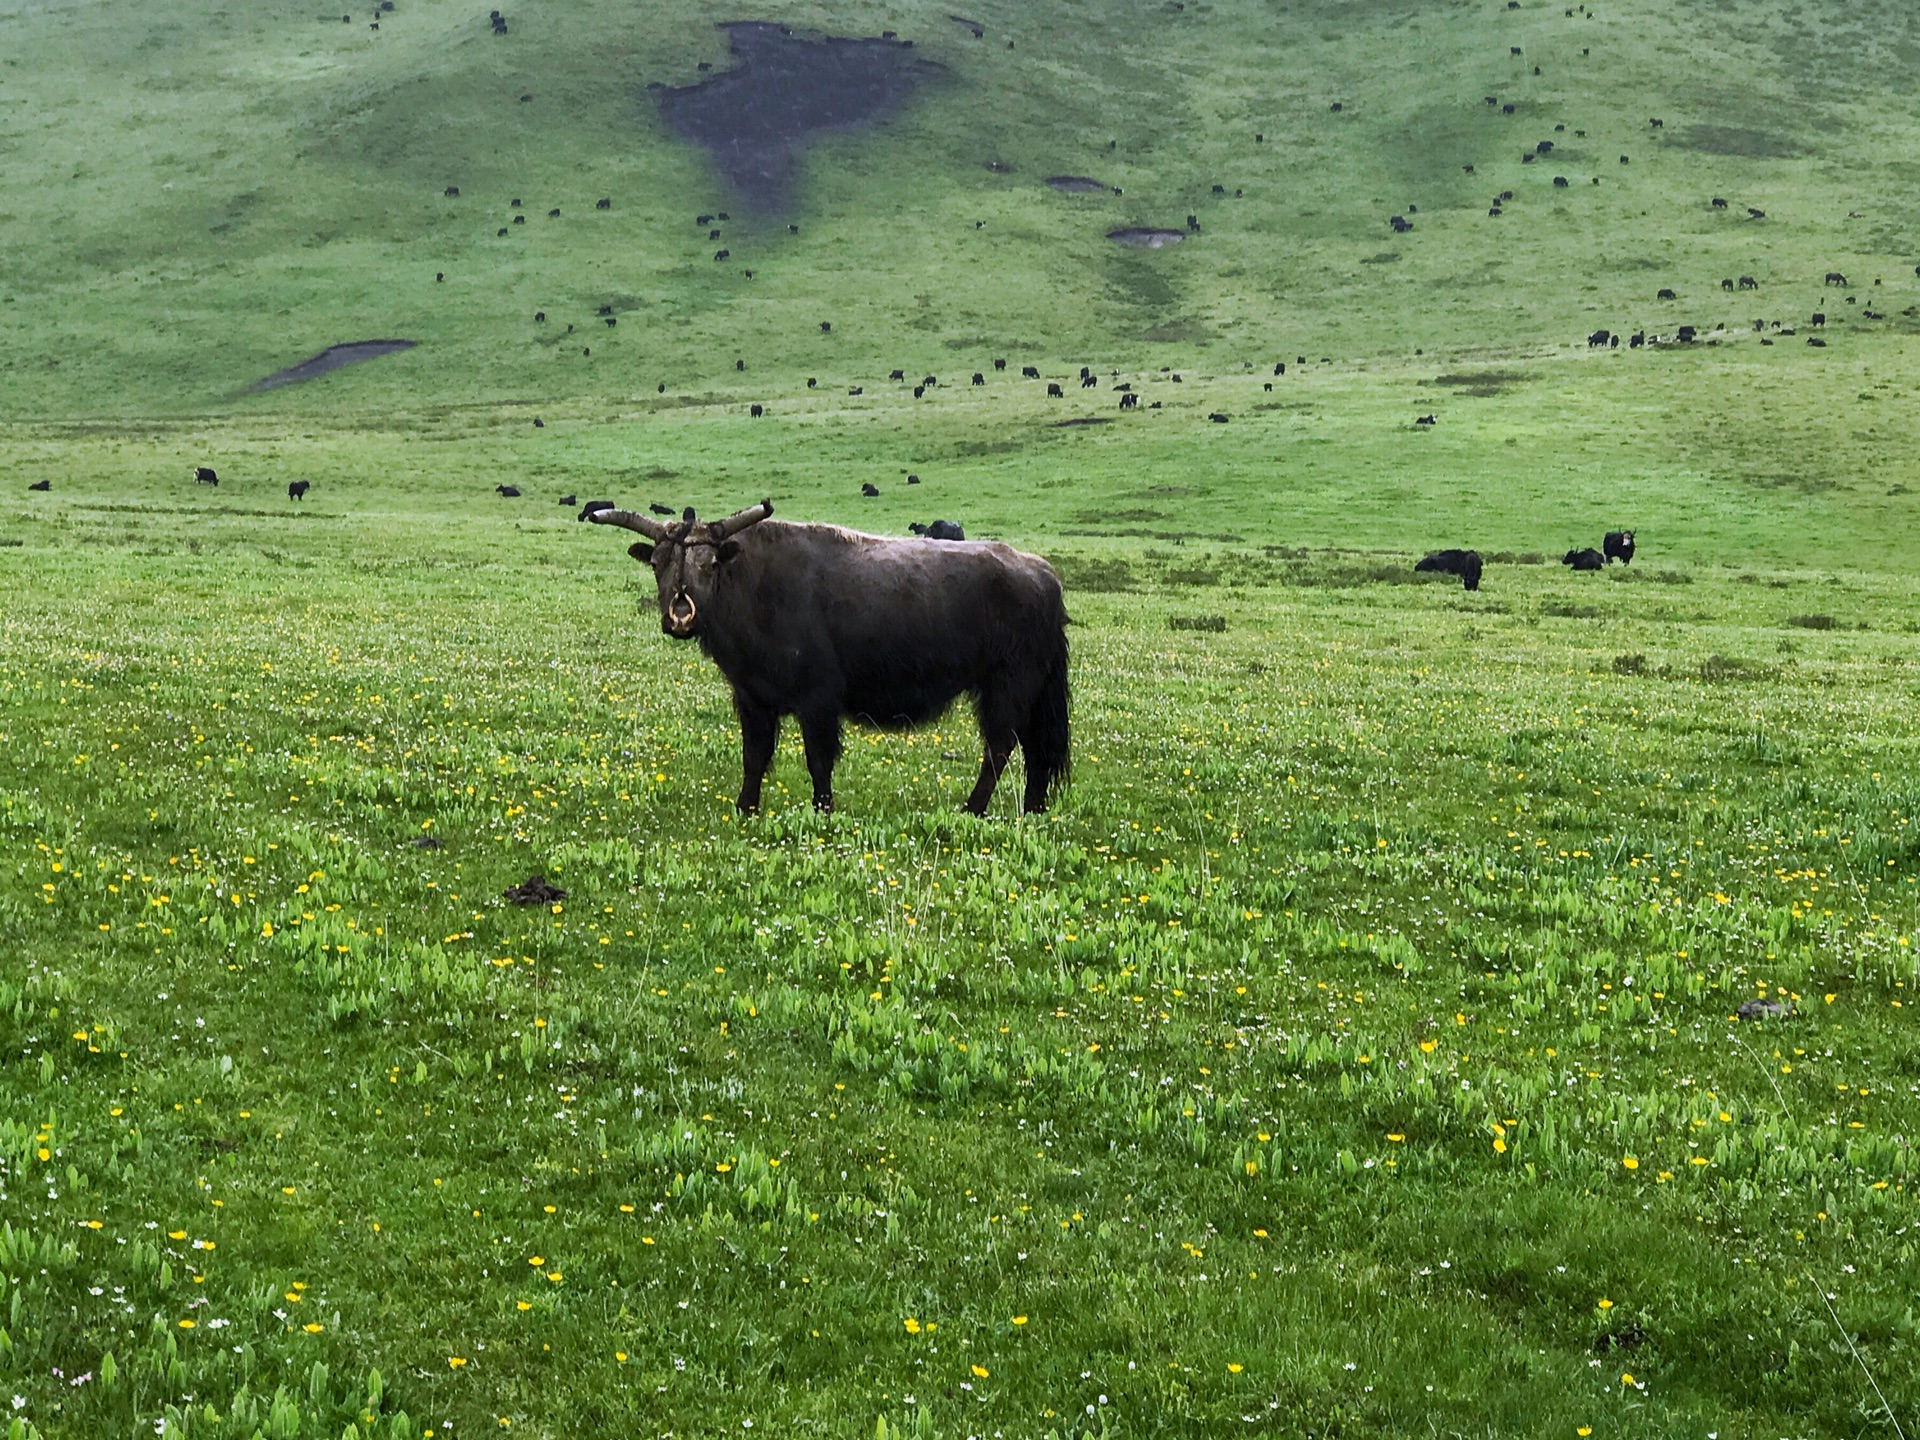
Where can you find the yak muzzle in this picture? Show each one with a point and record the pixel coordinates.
(679, 616)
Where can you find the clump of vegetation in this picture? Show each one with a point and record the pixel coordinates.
(1717, 669)
(1093, 574)
(1213, 624)
(1193, 576)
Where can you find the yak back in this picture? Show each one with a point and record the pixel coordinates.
(888, 630)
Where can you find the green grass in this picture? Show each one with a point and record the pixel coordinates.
(1377, 860)
(1285, 1079)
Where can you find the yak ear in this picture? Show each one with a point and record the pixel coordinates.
(727, 550)
(642, 553)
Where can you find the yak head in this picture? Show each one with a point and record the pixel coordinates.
(687, 556)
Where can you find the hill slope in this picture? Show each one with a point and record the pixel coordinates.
(202, 194)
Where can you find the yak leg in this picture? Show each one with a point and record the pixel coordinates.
(999, 749)
(759, 729)
(820, 730)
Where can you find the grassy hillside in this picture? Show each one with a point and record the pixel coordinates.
(199, 194)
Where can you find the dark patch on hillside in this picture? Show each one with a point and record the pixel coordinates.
(757, 119)
(1077, 184)
(1146, 236)
(1738, 140)
(1186, 329)
(1483, 382)
(331, 358)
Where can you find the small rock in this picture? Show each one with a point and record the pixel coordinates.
(534, 890)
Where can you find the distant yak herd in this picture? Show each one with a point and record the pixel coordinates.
(207, 475)
(1467, 564)
(1687, 334)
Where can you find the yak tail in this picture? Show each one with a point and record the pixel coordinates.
(1044, 738)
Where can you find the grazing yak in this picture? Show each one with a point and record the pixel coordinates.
(1588, 559)
(1618, 546)
(298, 489)
(824, 623)
(508, 492)
(940, 530)
(1464, 563)
(203, 475)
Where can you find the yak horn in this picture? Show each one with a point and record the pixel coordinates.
(627, 520)
(735, 523)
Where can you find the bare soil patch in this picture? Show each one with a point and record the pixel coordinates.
(331, 358)
(1146, 237)
(1483, 382)
(757, 119)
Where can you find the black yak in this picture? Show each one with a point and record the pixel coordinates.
(824, 623)
(1618, 546)
(1588, 559)
(1464, 563)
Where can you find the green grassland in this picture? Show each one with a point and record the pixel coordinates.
(1354, 1050)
